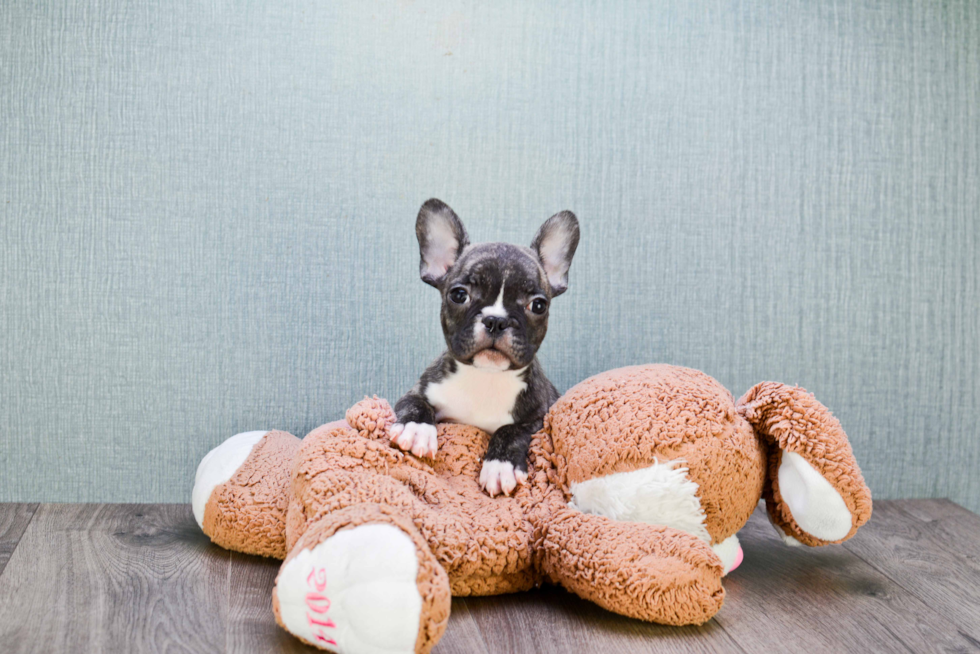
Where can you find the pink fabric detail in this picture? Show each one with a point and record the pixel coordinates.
(319, 604)
(319, 580)
(738, 559)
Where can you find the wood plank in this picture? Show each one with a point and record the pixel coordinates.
(936, 560)
(940, 510)
(954, 528)
(251, 625)
(827, 599)
(252, 628)
(14, 519)
(550, 620)
(144, 578)
(462, 633)
(114, 578)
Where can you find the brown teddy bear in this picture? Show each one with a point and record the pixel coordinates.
(637, 485)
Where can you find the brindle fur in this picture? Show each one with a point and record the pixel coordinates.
(481, 269)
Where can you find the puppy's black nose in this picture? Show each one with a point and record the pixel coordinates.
(495, 324)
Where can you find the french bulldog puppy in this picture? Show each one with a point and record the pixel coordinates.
(495, 300)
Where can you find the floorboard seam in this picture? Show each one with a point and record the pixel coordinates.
(731, 637)
(973, 641)
(20, 538)
(479, 628)
(896, 637)
(935, 541)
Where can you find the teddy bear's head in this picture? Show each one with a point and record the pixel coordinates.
(658, 444)
(667, 445)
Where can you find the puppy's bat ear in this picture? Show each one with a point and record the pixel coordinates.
(555, 245)
(442, 238)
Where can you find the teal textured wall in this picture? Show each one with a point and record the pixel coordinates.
(207, 213)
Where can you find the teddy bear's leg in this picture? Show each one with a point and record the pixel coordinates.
(362, 579)
(241, 494)
(815, 493)
(640, 570)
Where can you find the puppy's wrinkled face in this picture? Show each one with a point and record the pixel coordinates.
(495, 306)
(495, 296)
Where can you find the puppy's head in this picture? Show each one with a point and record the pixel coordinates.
(495, 296)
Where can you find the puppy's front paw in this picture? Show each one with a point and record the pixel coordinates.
(417, 437)
(500, 477)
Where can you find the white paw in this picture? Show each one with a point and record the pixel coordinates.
(354, 592)
(500, 477)
(416, 437)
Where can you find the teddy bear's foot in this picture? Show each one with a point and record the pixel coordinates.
(362, 580)
(218, 466)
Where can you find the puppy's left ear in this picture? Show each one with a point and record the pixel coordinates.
(442, 238)
(555, 245)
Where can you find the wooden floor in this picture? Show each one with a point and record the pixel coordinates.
(135, 578)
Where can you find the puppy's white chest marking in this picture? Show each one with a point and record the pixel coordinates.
(482, 398)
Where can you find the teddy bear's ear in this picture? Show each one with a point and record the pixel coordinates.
(815, 493)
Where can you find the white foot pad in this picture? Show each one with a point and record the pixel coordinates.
(498, 477)
(816, 506)
(417, 437)
(355, 592)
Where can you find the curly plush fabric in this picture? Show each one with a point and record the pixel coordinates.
(643, 571)
(794, 421)
(289, 496)
(483, 543)
(624, 419)
(247, 513)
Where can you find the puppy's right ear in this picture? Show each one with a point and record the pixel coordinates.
(441, 240)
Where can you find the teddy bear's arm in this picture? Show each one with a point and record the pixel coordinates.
(643, 571)
(241, 489)
(815, 493)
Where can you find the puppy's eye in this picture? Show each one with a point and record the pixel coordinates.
(538, 305)
(459, 295)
